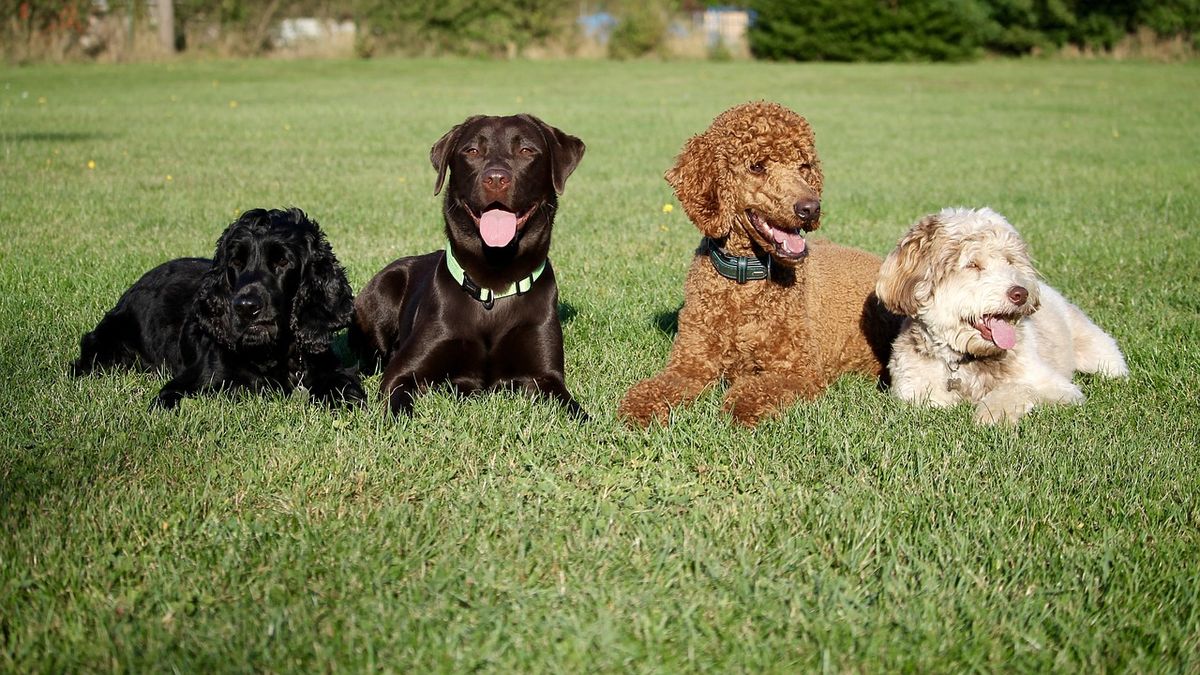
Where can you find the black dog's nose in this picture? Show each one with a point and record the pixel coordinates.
(1018, 295)
(247, 305)
(807, 210)
(497, 179)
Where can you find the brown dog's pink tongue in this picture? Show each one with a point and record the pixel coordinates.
(793, 242)
(497, 227)
(1004, 334)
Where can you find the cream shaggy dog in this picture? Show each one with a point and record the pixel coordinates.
(980, 326)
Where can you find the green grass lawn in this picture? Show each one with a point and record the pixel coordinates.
(854, 533)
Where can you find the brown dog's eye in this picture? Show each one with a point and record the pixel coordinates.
(757, 167)
(471, 151)
(527, 150)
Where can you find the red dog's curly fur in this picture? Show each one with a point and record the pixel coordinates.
(774, 340)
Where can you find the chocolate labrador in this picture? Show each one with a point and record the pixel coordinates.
(483, 313)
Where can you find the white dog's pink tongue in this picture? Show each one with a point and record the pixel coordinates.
(497, 227)
(792, 242)
(1004, 334)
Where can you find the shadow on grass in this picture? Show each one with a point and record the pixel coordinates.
(668, 322)
(32, 474)
(566, 312)
(54, 136)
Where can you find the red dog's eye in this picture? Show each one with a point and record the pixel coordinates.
(757, 167)
(805, 166)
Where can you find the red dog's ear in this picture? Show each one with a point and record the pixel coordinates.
(440, 153)
(906, 277)
(694, 178)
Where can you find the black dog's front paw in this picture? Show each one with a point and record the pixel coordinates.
(167, 399)
(345, 393)
(78, 369)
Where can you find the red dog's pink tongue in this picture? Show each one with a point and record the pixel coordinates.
(1004, 334)
(497, 227)
(792, 242)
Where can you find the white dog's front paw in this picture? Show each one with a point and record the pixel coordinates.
(993, 414)
(1004, 406)
(1112, 368)
(1070, 395)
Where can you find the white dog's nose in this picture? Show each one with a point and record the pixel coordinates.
(1018, 295)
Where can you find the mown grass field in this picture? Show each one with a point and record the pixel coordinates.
(855, 533)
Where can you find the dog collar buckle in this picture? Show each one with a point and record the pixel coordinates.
(483, 295)
(738, 268)
(486, 296)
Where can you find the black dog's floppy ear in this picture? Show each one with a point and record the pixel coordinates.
(439, 154)
(566, 151)
(211, 303)
(324, 302)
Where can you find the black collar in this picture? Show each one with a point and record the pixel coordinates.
(739, 268)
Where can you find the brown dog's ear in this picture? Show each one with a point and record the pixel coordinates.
(906, 276)
(566, 151)
(694, 178)
(439, 154)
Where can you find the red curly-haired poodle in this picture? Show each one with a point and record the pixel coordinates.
(776, 317)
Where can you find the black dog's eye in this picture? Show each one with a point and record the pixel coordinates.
(758, 167)
(282, 262)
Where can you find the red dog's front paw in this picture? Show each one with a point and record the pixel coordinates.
(644, 404)
(747, 410)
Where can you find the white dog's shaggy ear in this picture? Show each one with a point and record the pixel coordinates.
(906, 274)
(694, 178)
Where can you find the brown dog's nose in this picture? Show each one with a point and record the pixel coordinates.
(807, 210)
(495, 180)
(1018, 295)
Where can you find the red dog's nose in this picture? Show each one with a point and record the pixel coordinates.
(807, 210)
(1018, 295)
(495, 180)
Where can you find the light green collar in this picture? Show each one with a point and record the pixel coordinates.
(486, 295)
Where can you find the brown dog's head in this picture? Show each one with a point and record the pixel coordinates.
(753, 179)
(504, 177)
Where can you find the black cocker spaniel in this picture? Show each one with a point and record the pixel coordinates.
(259, 316)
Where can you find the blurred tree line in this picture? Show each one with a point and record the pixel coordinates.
(955, 30)
(412, 27)
(836, 30)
